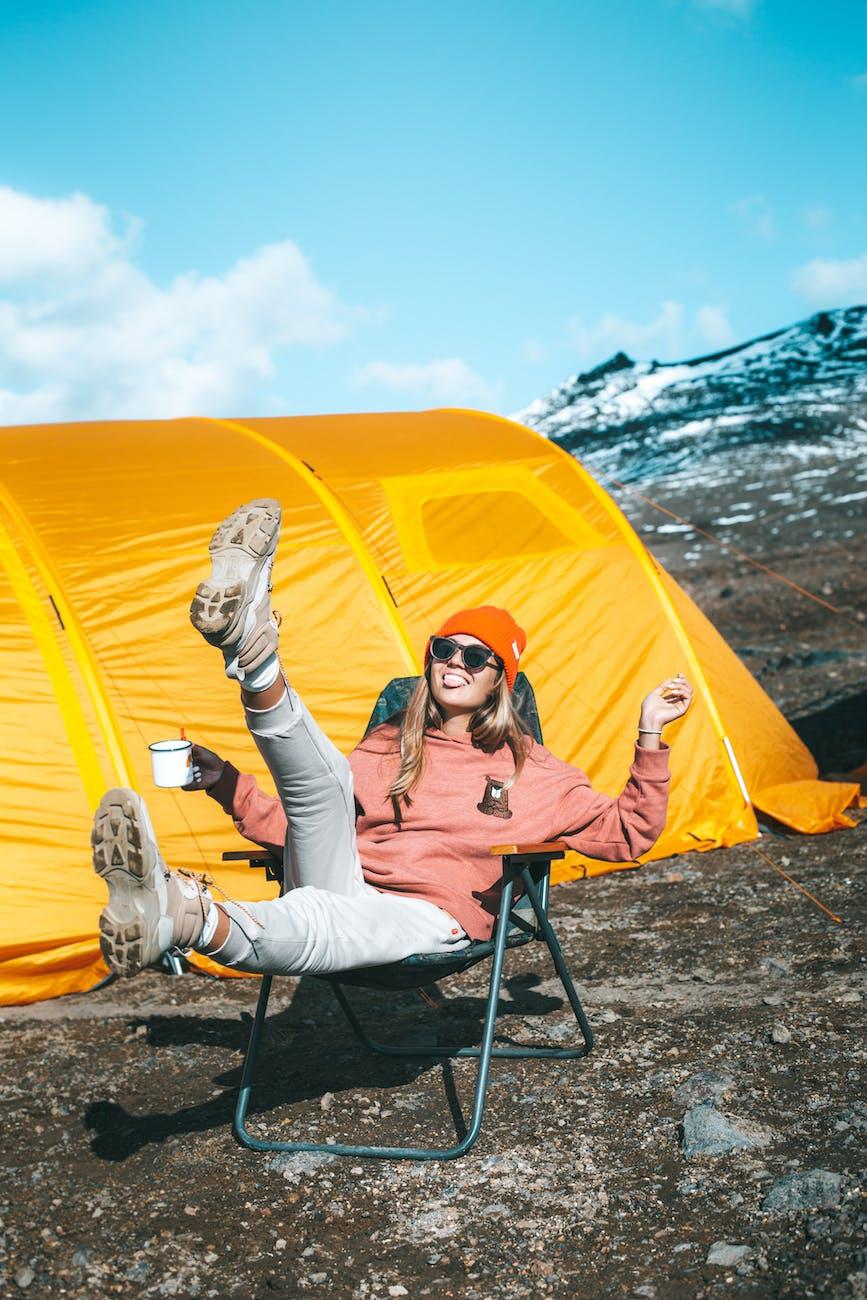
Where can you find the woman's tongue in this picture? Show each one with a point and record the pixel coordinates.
(452, 680)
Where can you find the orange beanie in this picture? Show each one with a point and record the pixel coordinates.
(496, 628)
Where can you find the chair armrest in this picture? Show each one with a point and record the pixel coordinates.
(247, 855)
(257, 859)
(548, 849)
(529, 860)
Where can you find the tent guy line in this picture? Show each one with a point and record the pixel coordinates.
(792, 881)
(726, 546)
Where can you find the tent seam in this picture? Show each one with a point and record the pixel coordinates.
(88, 664)
(341, 517)
(45, 636)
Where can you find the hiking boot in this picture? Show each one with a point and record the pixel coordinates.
(232, 608)
(150, 909)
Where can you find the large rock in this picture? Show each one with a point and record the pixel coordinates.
(814, 1189)
(705, 1085)
(726, 1255)
(707, 1132)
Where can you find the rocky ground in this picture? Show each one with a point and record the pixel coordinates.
(711, 1145)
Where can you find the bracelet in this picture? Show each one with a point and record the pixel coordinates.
(645, 731)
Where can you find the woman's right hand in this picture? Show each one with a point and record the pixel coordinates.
(669, 701)
(207, 769)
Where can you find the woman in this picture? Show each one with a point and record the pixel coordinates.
(386, 853)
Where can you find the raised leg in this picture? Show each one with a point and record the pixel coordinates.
(314, 783)
(232, 610)
(312, 931)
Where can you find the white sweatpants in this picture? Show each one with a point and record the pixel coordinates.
(329, 919)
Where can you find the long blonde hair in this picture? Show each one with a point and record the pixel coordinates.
(495, 724)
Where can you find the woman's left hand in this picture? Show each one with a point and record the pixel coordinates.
(669, 701)
(207, 768)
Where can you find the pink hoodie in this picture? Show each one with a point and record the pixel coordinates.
(459, 810)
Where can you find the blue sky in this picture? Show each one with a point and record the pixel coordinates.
(333, 206)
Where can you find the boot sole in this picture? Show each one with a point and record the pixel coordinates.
(220, 603)
(126, 857)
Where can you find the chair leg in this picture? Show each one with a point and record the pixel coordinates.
(484, 1053)
(249, 1067)
(559, 962)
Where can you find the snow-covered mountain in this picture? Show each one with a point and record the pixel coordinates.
(777, 396)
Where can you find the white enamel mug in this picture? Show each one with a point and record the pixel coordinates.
(172, 762)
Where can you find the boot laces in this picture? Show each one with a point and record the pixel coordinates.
(205, 881)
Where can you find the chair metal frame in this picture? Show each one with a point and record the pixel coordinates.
(516, 925)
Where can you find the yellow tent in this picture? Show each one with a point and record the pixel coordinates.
(390, 523)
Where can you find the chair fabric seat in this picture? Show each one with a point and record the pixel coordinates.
(423, 968)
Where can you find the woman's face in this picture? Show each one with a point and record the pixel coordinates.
(457, 690)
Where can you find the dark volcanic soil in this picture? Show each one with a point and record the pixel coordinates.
(122, 1177)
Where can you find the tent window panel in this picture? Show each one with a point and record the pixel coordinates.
(474, 527)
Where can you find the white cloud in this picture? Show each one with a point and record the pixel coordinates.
(713, 325)
(672, 333)
(85, 334)
(832, 283)
(54, 238)
(613, 333)
(448, 379)
(755, 213)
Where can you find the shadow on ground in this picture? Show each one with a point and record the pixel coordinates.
(306, 1054)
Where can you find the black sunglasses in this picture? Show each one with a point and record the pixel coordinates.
(475, 657)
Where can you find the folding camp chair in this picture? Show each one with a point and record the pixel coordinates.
(522, 923)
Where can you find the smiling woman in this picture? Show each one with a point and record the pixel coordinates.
(387, 853)
(471, 664)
